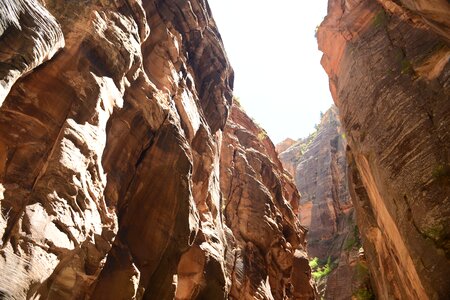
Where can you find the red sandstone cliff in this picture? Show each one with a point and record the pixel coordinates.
(319, 167)
(259, 203)
(112, 181)
(388, 64)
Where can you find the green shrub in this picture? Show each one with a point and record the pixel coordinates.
(379, 19)
(321, 272)
(364, 294)
(441, 173)
(349, 243)
(308, 141)
(261, 136)
(361, 271)
(354, 240)
(314, 263)
(435, 232)
(406, 66)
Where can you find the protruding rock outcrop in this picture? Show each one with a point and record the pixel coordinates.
(388, 64)
(319, 167)
(30, 35)
(112, 183)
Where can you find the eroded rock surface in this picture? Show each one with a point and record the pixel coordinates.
(29, 35)
(319, 167)
(260, 203)
(388, 64)
(111, 166)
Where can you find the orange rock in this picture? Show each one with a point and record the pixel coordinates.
(114, 159)
(280, 147)
(388, 67)
(326, 209)
(257, 199)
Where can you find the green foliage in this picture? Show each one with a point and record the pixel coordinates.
(364, 294)
(435, 232)
(314, 263)
(363, 290)
(349, 243)
(308, 141)
(262, 136)
(406, 66)
(361, 271)
(354, 240)
(441, 173)
(379, 19)
(321, 270)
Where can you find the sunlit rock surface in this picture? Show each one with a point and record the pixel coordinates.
(319, 167)
(112, 182)
(30, 35)
(388, 64)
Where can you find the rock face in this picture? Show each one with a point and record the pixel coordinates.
(318, 164)
(280, 147)
(268, 236)
(111, 166)
(388, 64)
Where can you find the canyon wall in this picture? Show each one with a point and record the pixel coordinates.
(319, 166)
(119, 178)
(260, 205)
(388, 64)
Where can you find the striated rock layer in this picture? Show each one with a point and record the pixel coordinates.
(388, 64)
(319, 166)
(111, 166)
(260, 203)
(319, 169)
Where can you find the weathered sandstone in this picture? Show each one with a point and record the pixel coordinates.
(319, 167)
(112, 182)
(388, 64)
(30, 35)
(259, 203)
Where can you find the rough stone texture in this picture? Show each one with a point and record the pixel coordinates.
(110, 160)
(319, 166)
(29, 36)
(107, 151)
(390, 77)
(280, 147)
(259, 204)
(434, 13)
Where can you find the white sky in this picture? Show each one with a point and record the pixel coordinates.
(273, 51)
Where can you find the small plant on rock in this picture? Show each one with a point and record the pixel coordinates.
(322, 270)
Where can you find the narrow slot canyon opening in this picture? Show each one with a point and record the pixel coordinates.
(279, 81)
